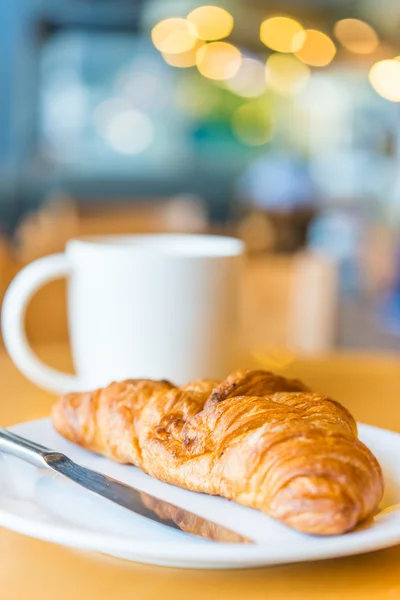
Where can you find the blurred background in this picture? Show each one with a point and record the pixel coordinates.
(277, 122)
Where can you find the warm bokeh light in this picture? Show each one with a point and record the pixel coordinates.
(218, 60)
(174, 36)
(356, 36)
(211, 22)
(184, 59)
(251, 124)
(282, 34)
(317, 48)
(286, 75)
(384, 77)
(249, 81)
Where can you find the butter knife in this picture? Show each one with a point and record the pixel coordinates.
(128, 497)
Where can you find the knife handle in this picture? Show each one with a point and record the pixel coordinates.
(33, 453)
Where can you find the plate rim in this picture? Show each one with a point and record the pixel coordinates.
(184, 553)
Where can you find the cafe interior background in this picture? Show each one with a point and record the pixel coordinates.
(277, 122)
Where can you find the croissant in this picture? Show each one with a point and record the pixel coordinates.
(259, 439)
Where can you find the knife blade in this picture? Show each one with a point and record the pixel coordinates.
(126, 496)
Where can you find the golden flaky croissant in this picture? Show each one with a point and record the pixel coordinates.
(259, 439)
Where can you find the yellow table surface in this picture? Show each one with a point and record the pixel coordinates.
(368, 385)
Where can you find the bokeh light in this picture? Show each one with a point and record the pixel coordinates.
(282, 34)
(317, 48)
(251, 124)
(183, 59)
(174, 36)
(142, 85)
(211, 22)
(249, 81)
(218, 60)
(384, 77)
(108, 110)
(129, 132)
(356, 36)
(286, 75)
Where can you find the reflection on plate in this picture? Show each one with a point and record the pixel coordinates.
(42, 505)
(60, 497)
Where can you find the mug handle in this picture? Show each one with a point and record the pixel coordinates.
(16, 299)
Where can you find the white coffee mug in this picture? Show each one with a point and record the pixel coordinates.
(151, 306)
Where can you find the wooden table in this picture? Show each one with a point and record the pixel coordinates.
(368, 385)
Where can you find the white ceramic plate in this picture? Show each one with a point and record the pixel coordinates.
(44, 506)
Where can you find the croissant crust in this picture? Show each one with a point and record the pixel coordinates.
(259, 439)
